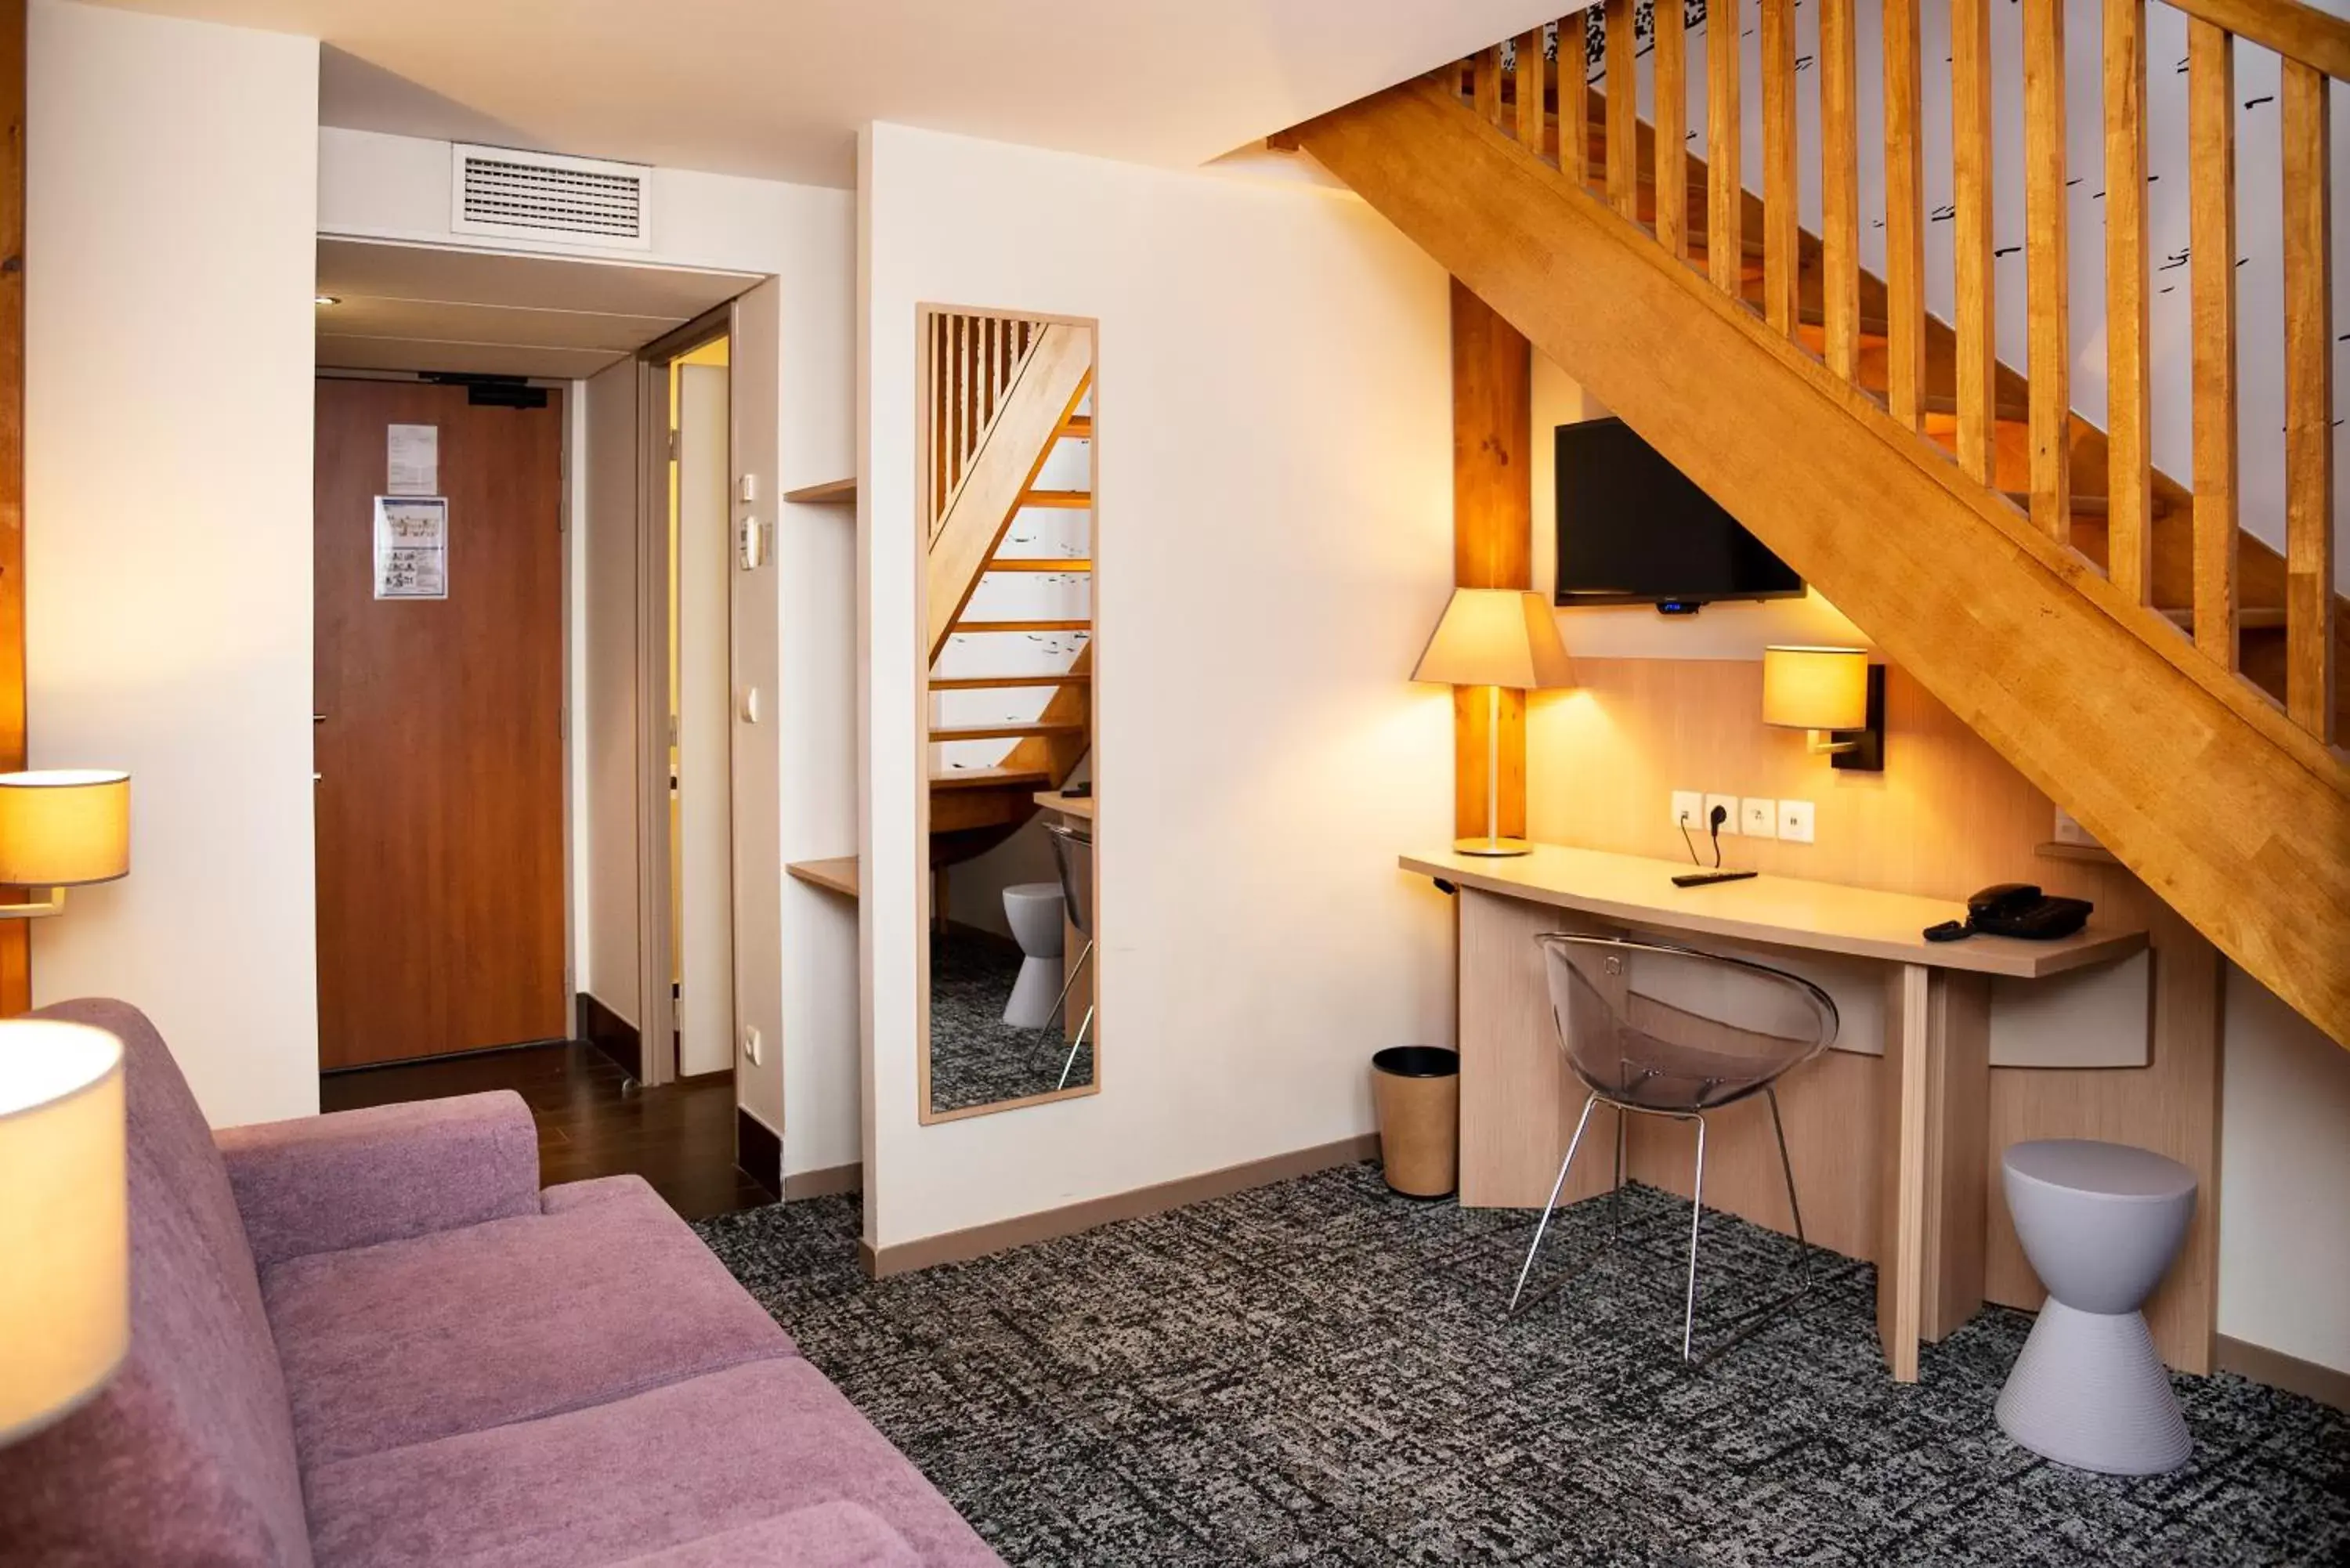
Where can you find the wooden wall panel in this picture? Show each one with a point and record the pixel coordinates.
(16, 967)
(1947, 816)
(1492, 538)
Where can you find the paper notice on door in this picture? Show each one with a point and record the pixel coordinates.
(413, 461)
(411, 546)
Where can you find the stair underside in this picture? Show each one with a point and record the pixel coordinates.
(2224, 808)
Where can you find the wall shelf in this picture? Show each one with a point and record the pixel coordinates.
(834, 493)
(835, 876)
(2054, 850)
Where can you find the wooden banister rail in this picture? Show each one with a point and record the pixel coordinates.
(1815, 296)
(978, 356)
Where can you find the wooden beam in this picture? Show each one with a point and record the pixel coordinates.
(2216, 799)
(2306, 136)
(2295, 30)
(1782, 235)
(1533, 121)
(1671, 98)
(2047, 274)
(1725, 199)
(1970, 151)
(15, 960)
(2129, 462)
(1492, 538)
(2212, 249)
(1623, 113)
(1905, 220)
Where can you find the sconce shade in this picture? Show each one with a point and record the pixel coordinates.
(64, 827)
(1496, 637)
(1816, 687)
(65, 1219)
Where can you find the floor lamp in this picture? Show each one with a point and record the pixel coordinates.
(1495, 638)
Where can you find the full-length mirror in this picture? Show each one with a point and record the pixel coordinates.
(1007, 710)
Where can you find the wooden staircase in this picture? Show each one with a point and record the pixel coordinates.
(1006, 396)
(2165, 676)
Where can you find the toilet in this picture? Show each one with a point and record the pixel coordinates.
(1032, 910)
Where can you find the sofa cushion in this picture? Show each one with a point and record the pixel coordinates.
(408, 1341)
(827, 1535)
(642, 1475)
(187, 1455)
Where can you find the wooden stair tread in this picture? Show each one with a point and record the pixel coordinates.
(1076, 427)
(1000, 682)
(1013, 730)
(1067, 500)
(1076, 565)
(990, 778)
(1006, 625)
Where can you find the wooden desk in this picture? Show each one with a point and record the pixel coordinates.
(1515, 1087)
(1080, 806)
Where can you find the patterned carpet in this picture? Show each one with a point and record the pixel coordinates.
(976, 1058)
(1319, 1372)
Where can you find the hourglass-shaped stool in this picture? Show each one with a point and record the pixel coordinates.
(2100, 1222)
(1032, 910)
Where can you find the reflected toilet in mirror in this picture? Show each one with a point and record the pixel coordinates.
(1006, 454)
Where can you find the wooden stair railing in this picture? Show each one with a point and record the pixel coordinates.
(1005, 394)
(1837, 446)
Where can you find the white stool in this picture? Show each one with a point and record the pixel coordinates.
(2100, 1222)
(1032, 910)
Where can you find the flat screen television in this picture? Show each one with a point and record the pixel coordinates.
(1635, 530)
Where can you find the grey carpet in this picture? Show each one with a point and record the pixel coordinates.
(976, 1058)
(1319, 1372)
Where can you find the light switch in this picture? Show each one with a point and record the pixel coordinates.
(750, 705)
(1728, 804)
(752, 1044)
(1795, 821)
(1759, 818)
(749, 490)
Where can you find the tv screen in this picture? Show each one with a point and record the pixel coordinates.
(1634, 529)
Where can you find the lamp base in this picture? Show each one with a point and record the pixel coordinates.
(1491, 846)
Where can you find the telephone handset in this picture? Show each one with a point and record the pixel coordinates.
(2015, 909)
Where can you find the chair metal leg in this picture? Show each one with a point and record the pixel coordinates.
(1556, 1188)
(1755, 1318)
(1697, 1212)
(1615, 1201)
(1787, 1168)
(1069, 984)
(1074, 1046)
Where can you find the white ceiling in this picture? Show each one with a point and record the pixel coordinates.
(779, 87)
(414, 308)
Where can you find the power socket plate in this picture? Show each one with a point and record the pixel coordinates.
(1729, 803)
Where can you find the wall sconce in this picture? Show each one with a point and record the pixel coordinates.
(1836, 694)
(61, 828)
(64, 1321)
(1495, 638)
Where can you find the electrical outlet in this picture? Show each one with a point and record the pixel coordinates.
(752, 1046)
(1688, 810)
(1758, 818)
(1795, 821)
(1728, 804)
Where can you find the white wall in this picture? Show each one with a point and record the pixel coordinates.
(172, 192)
(604, 729)
(816, 556)
(2284, 1163)
(1273, 540)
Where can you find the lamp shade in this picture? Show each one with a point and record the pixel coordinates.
(63, 827)
(65, 1220)
(1816, 687)
(1496, 637)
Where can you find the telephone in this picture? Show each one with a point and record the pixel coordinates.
(2015, 909)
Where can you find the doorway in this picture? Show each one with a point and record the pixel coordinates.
(439, 718)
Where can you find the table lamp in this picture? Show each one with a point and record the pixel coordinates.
(1836, 694)
(1495, 638)
(65, 1220)
(60, 828)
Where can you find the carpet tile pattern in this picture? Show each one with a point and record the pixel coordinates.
(1319, 1372)
(976, 1058)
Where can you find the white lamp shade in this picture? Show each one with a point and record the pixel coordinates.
(1496, 637)
(65, 1219)
(1816, 687)
(62, 827)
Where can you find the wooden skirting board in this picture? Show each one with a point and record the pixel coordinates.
(2289, 1373)
(960, 1246)
(828, 1183)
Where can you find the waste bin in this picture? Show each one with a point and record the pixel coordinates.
(1418, 1088)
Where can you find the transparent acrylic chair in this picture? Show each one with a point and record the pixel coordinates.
(1072, 852)
(1665, 1030)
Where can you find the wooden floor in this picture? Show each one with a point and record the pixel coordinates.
(593, 1118)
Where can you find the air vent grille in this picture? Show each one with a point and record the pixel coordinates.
(573, 199)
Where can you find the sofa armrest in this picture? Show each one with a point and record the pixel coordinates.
(322, 1184)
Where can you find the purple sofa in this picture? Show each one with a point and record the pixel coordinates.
(369, 1338)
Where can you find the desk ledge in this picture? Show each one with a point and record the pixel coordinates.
(1781, 911)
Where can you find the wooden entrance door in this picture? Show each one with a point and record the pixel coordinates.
(439, 737)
